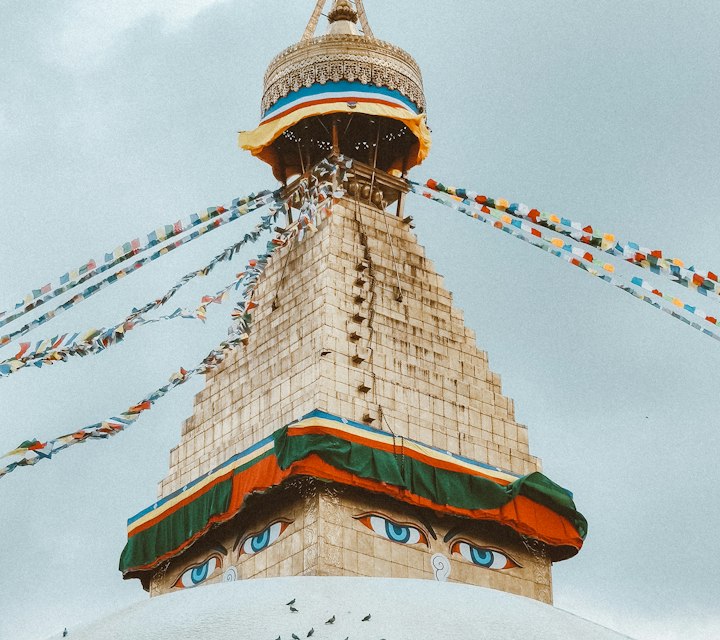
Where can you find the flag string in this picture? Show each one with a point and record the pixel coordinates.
(320, 192)
(93, 341)
(525, 232)
(703, 282)
(216, 223)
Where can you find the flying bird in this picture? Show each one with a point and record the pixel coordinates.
(330, 621)
(310, 632)
(366, 618)
(295, 637)
(293, 610)
(291, 603)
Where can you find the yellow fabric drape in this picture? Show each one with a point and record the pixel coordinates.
(259, 141)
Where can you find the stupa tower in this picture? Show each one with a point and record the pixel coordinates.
(360, 432)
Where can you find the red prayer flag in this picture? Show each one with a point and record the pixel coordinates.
(24, 346)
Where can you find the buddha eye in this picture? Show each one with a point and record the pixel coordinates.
(482, 556)
(198, 574)
(393, 531)
(258, 542)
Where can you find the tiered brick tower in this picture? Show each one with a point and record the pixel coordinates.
(407, 460)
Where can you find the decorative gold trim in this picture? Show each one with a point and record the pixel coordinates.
(333, 58)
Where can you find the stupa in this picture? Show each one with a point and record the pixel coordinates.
(360, 432)
(360, 435)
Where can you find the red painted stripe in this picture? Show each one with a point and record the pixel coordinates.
(521, 514)
(313, 103)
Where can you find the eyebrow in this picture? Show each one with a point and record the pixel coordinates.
(452, 533)
(428, 526)
(218, 547)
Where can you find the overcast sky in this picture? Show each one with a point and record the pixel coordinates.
(119, 116)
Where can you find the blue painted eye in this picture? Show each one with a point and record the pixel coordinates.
(483, 557)
(261, 541)
(393, 531)
(194, 576)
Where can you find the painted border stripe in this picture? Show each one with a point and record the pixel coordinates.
(337, 100)
(318, 418)
(314, 419)
(344, 88)
(198, 484)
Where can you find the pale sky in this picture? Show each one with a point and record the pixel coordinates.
(119, 116)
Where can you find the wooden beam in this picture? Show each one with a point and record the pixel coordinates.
(314, 19)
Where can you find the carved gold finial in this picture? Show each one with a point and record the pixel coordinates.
(342, 10)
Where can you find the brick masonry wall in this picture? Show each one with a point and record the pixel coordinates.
(339, 340)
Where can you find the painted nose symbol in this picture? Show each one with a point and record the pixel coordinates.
(441, 567)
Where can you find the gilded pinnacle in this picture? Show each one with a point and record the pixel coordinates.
(342, 10)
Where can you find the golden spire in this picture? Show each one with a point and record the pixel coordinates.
(342, 10)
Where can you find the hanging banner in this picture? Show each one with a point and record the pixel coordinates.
(76, 277)
(650, 259)
(566, 252)
(334, 449)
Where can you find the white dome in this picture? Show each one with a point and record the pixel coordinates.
(399, 610)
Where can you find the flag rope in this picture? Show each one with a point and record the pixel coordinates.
(216, 223)
(93, 341)
(649, 259)
(321, 196)
(525, 232)
(80, 275)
